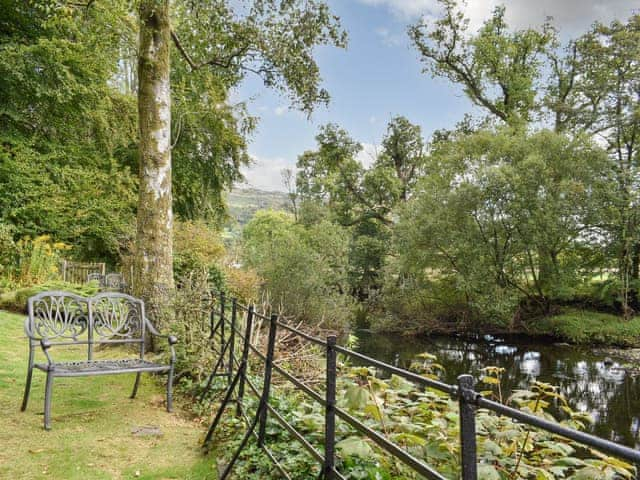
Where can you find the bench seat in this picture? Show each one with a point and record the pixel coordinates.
(101, 367)
(62, 319)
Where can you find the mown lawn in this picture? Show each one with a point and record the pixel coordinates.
(92, 425)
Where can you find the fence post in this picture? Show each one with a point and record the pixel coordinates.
(266, 387)
(245, 359)
(64, 270)
(330, 412)
(212, 315)
(232, 336)
(466, 400)
(222, 300)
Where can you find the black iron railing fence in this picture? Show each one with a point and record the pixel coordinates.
(234, 333)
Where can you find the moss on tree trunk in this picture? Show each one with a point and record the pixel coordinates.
(154, 250)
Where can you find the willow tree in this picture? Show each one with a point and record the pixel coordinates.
(273, 39)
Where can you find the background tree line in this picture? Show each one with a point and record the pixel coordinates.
(522, 210)
(528, 206)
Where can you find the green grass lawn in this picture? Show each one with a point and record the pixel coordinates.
(92, 423)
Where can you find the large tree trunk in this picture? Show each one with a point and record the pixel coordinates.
(154, 249)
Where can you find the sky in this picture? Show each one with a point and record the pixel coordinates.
(380, 76)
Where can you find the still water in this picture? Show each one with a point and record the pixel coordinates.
(591, 382)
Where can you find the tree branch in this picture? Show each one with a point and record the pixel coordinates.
(214, 62)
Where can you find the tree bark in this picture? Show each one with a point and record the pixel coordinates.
(153, 273)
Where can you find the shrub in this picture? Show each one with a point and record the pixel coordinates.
(8, 250)
(16, 301)
(38, 260)
(197, 246)
(304, 268)
(244, 284)
(188, 318)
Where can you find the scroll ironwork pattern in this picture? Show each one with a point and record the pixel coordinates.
(117, 318)
(56, 316)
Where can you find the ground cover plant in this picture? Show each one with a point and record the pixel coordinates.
(426, 424)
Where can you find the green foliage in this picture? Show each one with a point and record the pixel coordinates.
(8, 250)
(333, 184)
(272, 39)
(210, 142)
(497, 68)
(69, 120)
(189, 320)
(38, 260)
(303, 267)
(63, 125)
(197, 248)
(426, 424)
(503, 218)
(590, 328)
(55, 194)
(588, 87)
(16, 301)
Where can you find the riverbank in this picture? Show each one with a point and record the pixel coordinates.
(583, 327)
(574, 326)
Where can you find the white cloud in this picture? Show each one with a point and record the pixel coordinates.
(280, 110)
(571, 16)
(266, 173)
(405, 8)
(368, 154)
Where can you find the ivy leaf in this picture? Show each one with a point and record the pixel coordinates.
(356, 397)
(488, 472)
(355, 446)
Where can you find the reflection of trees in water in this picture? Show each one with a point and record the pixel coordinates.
(605, 391)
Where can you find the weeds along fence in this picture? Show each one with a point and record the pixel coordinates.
(231, 329)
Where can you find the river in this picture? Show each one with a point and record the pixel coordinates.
(591, 381)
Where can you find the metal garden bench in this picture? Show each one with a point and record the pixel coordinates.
(58, 319)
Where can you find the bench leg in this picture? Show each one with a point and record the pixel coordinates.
(27, 387)
(170, 390)
(135, 385)
(47, 401)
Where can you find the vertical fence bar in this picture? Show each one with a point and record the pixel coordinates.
(245, 359)
(330, 412)
(222, 300)
(212, 315)
(232, 336)
(266, 387)
(466, 399)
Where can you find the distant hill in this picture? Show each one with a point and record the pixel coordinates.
(243, 203)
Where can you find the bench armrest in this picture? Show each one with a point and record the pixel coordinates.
(171, 339)
(46, 345)
(28, 332)
(44, 342)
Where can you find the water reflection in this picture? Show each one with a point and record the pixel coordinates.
(590, 382)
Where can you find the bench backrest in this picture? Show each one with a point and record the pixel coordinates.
(67, 319)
